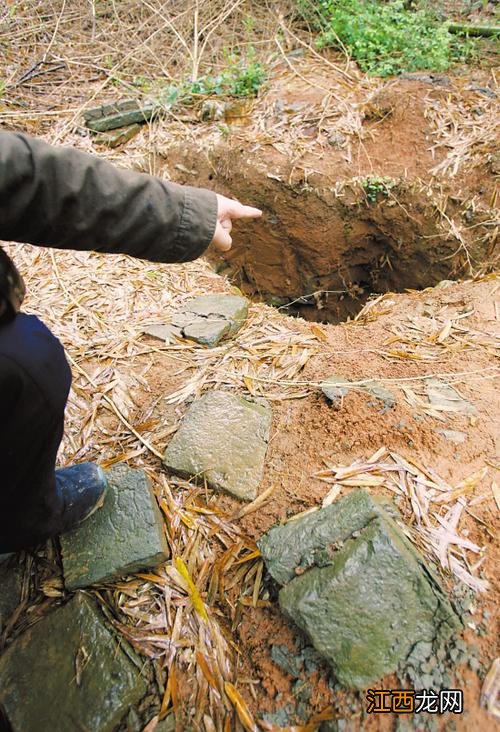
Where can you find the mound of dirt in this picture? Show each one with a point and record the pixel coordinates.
(360, 195)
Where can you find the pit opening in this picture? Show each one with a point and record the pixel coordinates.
(375, 264)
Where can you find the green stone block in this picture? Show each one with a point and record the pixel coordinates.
(124, 536)
(210, 318)
(120, 114)
(69, 672)
(368, 604)
(293, 547)
(222, 439)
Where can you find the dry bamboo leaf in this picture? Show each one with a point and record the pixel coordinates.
(53, 587)
(209, 724)
(177, 578)
(301, 514)
(248, 602)
(152, 724)
(170, 695)
(319, 333)
(361, 482)
(257, 585)
(253, 555)
(331, 496)
(382, 452)
(194, 595)
(491, 689)
(464, 487)
(249, 383)
(255, 504)
(207, 671)
(244, 714)
(444, 332)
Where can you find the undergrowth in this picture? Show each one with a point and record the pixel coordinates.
(240, 78)
(374, 186)
(385, 38)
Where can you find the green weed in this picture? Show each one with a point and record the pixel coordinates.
(238, 79)
(374, 186)
(385, 38)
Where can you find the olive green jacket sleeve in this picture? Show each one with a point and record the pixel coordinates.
(60, 197)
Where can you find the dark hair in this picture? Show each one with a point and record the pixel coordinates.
(12, 289)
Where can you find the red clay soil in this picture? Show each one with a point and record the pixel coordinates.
(310, 431)
(307, 432)
(348, 212)
(322, 231)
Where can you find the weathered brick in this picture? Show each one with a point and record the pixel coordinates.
(69, 672)
(124, 536)
(222, 439)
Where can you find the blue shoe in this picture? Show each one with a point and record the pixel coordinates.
(83, 489)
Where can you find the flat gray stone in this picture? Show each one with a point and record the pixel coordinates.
(360, 591)
(375, 389)
(335, 387)
(69, 672)
(291, 548)
(443, 396)
(124, 536)
(162, 331)
(210, 318)
(222, 439)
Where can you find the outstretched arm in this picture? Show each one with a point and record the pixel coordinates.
(61, 197)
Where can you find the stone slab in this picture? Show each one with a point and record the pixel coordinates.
(115, 138)
(376, 390)
(121, 114)
(163, 332)
(335, 387)
(124, 536)
(443, 396)
(69, 672)
(210, 318)
(357, 587)
(222, 439)
(294, 547)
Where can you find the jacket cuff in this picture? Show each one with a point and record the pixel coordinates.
(198, 221)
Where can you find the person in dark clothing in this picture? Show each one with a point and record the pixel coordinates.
(60, 197)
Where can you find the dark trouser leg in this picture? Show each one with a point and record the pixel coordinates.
(34, 384)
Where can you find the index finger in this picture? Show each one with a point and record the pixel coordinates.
(239, 211)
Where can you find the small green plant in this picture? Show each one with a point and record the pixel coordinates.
(2, 88)
(238, 79)
(224, 130)
(385, 38)
(374, 186)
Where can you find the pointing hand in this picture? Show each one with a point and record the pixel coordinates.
(229, 209)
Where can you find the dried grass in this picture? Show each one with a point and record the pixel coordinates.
(432, 509)
(173, 615)
(467, 128)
